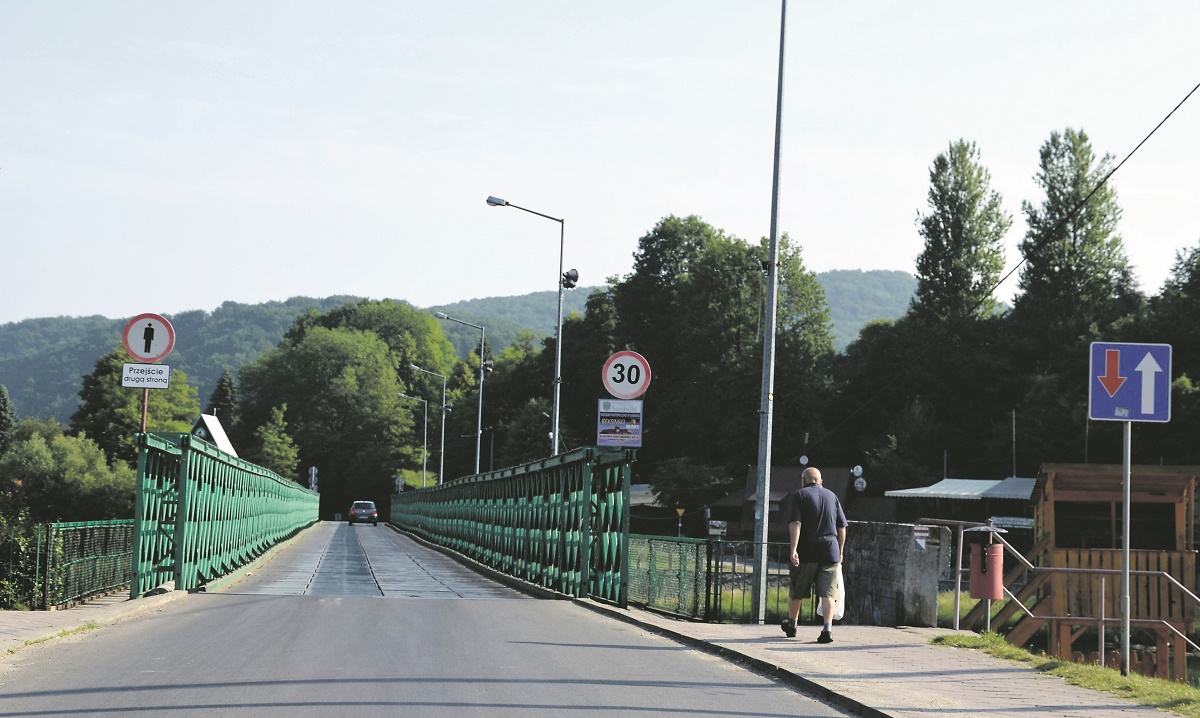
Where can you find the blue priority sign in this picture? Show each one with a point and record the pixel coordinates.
(1130, 382)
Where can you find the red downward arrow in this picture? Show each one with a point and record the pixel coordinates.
(1111, 380)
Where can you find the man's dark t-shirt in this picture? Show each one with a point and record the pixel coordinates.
(820, 515)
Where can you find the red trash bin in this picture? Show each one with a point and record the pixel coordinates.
(987, 576)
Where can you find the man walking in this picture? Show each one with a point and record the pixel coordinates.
(817, 529)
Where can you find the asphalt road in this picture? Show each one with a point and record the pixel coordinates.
(361, 621)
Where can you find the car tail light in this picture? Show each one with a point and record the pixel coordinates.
(373, 513)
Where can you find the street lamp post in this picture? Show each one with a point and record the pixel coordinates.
(442, 451)
(479, 421)
(425, 436)
(565, 281)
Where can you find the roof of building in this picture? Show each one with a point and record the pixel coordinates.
(1014, 487)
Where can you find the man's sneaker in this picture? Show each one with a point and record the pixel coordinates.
(789, 627)
(825, 637)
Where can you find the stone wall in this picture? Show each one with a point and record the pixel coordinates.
(890, 579)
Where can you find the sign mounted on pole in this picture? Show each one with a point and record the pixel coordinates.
(626, 375)
(1130, 382)
(619, 423)
(143, 376)
(148, 338)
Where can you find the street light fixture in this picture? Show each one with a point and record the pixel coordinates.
(566, 280)
(425, 438)
(482, 365)
(445, 410)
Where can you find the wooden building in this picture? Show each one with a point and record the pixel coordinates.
(1078, 525)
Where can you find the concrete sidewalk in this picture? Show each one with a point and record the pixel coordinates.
(896, 672)
(867, 670)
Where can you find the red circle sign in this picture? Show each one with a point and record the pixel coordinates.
(626, 375)
(148, 338)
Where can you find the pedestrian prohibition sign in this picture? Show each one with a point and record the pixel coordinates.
(148, 338)
(1130, 382)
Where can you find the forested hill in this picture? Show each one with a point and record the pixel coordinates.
(42, 360)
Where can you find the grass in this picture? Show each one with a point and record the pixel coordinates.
(736, 605)
(945, 609)
(1178, 698)
(89, 626)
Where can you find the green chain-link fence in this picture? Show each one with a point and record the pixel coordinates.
(709, 580)
(55, 564)
(560, 523)
(202, 513)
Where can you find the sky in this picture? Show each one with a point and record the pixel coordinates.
(164, 156)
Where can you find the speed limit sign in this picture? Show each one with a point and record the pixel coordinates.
(626, 375)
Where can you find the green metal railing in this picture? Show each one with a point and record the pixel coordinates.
(560, 523)
(55, 564)
(202, 513)
(709, 580)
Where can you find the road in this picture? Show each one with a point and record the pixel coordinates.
(362, 621)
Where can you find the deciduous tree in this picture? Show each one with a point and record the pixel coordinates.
(963, 232)
(111, 415)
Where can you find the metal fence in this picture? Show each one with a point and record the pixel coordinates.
(56, 564)
(708, 580)
(560, 523)
(202, 513)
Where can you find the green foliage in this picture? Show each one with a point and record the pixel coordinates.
(680, 483)
(964, 233)
(223, 403)
(340, 386)
(58, 477)
(111, 415)
(275, 449)
(8, 420)
(1076, 274)
(42, 360)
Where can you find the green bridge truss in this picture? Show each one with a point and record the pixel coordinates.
(202, 513)
(560, 523)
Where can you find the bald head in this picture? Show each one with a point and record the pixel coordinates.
(811, 475)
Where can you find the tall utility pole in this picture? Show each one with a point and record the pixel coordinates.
(762, 505)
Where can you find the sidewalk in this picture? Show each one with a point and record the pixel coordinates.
(896, 672)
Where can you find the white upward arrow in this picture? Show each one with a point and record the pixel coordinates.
(1148, 367)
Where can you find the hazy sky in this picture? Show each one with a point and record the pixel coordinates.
(160, 157)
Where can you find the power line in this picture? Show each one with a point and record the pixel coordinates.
(1050, 236)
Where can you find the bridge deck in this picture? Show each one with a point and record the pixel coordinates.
(335, 559)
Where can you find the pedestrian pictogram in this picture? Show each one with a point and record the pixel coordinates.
(148, 338)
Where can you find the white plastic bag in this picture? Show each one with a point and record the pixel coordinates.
(839, 601)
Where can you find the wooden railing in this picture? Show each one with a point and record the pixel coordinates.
(1152, 597)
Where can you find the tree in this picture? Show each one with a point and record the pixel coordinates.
(276, 450)
(1076, 274)
(8, 420)
(340, 387)
(963, 231)
(66, 478)
(223, 403)
(112, 415)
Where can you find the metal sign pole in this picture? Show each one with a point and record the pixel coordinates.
(145, 407)
(1125, 549)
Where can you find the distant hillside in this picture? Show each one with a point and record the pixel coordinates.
(856, 297)
(43, 360)
(506, 317)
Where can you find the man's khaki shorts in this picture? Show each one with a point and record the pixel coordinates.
(827, 578)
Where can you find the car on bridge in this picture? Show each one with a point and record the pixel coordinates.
(362, 512)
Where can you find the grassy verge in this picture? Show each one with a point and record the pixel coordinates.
(1178, 698)
(90, 625)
